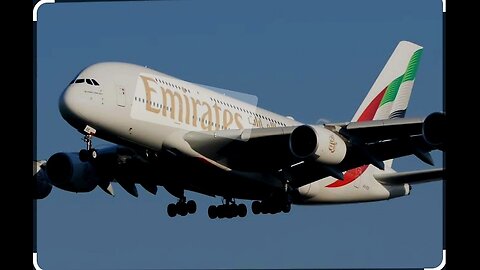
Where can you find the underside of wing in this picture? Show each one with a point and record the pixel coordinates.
(261, 149)
(308, 153)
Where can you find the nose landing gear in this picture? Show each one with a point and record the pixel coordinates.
(90, 153)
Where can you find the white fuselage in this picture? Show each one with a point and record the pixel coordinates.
(134, 105)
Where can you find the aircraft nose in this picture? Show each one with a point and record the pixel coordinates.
(70, 105)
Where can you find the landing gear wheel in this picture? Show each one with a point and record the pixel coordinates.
(83, 155)
(191, 207)
(286, 208)
(264, 209)
(171, 210)
(181, 209)
(256, 207)
(212, 212)
(242, 210)
(221, 211)
(230, 211)
(92, 153)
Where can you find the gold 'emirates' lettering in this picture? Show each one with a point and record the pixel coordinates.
(332, 144)
(173, 96)
(148, 94)
(183, 105)
(206, 117)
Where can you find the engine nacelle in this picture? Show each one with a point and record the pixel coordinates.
(41, 183)
(67, 172)
(433, 129)
(318, 143)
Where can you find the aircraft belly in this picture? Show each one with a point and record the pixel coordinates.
(212, 181)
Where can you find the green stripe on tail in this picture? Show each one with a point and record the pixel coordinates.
(413, 66)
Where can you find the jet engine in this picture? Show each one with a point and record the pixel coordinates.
(433, 129)
(67, 172)
(318, 143)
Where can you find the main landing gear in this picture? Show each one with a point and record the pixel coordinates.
(276, 203)
(227, 210)
(182, 207)
(270, 207)
(90, 153)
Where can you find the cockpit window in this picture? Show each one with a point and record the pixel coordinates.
(89, 81)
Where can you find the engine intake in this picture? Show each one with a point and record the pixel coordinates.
(433, 129)
(67, 172)
(318, 143)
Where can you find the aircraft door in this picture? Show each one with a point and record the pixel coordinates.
(121, 99)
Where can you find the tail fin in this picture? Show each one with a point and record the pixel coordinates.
(390, 94)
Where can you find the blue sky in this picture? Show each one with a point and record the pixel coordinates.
(309, 59)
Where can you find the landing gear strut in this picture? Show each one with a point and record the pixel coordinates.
(90, 153)
(227, 210)
(182, 207)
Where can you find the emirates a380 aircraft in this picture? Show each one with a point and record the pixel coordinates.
(183, 136)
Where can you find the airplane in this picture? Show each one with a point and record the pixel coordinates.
(186, 137)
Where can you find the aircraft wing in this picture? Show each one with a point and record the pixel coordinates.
(368, 142)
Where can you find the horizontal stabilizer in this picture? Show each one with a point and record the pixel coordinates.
(414, 177)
